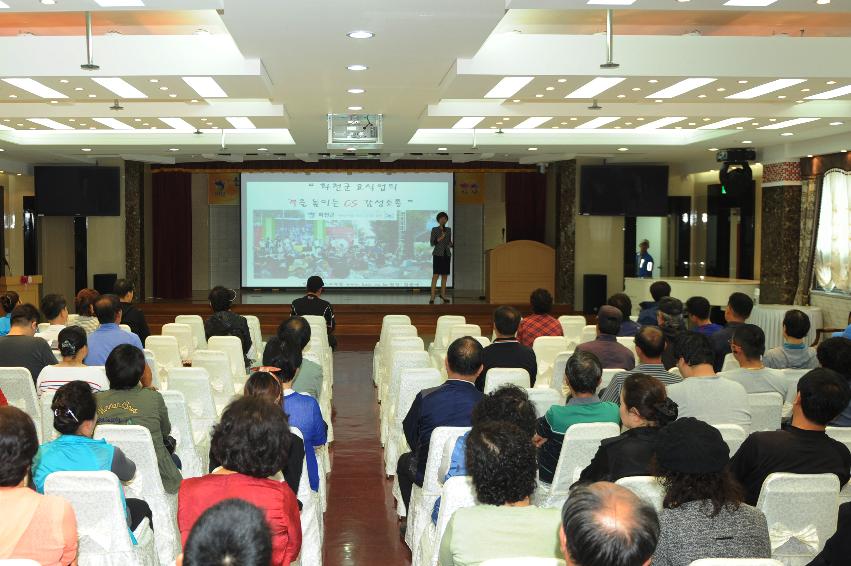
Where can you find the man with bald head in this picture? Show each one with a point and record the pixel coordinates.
(649, 345)
(606, 524)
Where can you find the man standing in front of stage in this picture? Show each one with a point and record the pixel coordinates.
(313, 304)
(645, 260)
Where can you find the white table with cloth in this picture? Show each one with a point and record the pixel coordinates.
(770, 319)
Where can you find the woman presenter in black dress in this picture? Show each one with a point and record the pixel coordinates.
(441, 239)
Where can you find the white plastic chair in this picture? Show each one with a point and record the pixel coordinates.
(441, 332)
(382, 351)
(220, 374)
(647, 488)
(312, 529)
(801, 511)
(497, 377)
(571, 327)
(606, 378)
(125, 328)
(628, 342)
(388, 321)
(48, 433)
(581, 442)
(196, 323)
(185, 339)
(411, 382)
(151, 362)
(396, 344)
(547, 349)
(42, 326)
(766, 410)
(543, 398)
(736, 562)
(523, 561)
(194, 384)
(589, 333)
(793, 376)
(729, 363)
(102, 532)
(18, 387)
(557, 382)
(733, 435)
(166, 353)
(195, 462)
(483, 340)
(457, 492)
(460, 330)
(135, 442)
(232, 346)
(256, 333)
(401, 360)
(843, 435)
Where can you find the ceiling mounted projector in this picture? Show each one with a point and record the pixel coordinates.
(361, 131)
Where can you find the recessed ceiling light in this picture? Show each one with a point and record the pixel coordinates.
(788, 123)
(743, 82)
(533, 122)
(78, 88)
(539, 96)
(206, 87)
(701, 96)
(623, 149)
(809, 155)
(658, 100)
(781, 96)
(841, 91)
(48, 123)
(113, 123)
(516, 100)
(562, 80)
(661, 123)
(772, 119)
(72, 119)
(836, 123)
(821, 3)
(163, 88)
(595, 86)
(740, 127)
(508, 86)
(54, 102)
(48, 2)
(750, 3)
(360, 34)
(173, 149)
(351, 149)
(721, 89)
(610, 2)
(692, 123)
(805, 90)
(575, 119)
(621, 96)
(627, 123)
(194, 100)
(441, 149)
(499, 123)
(787, 134)
(64, 81)
(35, 88)
(153, 80)
(120, 87)
(241, 123)
(653, 81)
(506, 119)
(93, 96)
(533, 149)
(765, 88)
(86, 149)
(640, 119)
(713, 149)
(830, 82)
(723, 123)
(754, 123)
(747, 141)
(137, 119)
(635, 89)
(550, 88)
(356, 91)
(682, 87)
(357, 67)
(355, 108)
(172, 95)
(468, 122)
(597, 122)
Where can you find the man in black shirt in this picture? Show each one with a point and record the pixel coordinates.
(739, 307)
(20, 348)
(313, 304)
(130, 315)
(506, 351)
(804, 448)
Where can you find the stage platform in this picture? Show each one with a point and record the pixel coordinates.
(358, 315)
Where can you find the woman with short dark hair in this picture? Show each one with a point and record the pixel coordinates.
(8, 301)
(35, 527)
(501, 459)
(225, 322)
(84, 304)
(73, 347)
(441, 241)
(251, 441)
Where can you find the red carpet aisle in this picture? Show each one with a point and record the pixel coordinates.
(360, 524)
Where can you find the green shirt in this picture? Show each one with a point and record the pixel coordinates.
(309, 379)
(144, 407)
(483, 532)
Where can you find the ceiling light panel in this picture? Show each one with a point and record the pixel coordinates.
(48, 123)
(241, 123)
(661, 123)
(468, 122)
(611, 2)
(750, 3)
(723, 123)
(178, 123)
(113, 123)
(827, 95)
(120, 87)
(766, 88)
(508, 87)
(595, 86)
(788, 123)
(206, 87)
(533, 122)
(119, 3)
(3, 5)
(597, 122)
(682, 87)
(35, 88)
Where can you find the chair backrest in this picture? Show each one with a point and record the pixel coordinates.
(318, 325)
(793, 503)
(589, 333)
(48, 433)
(581, 442)
(232, 346)
(766, 409)
(793, 376)
(166, 351)
(151, 362)
(398, 331)
(607, 376)
(559, 365)
(185, 339)
(196, 323)
(736, 562)
(135, 441)
(457, 492)
(441, 332)
(400, 361)
(395, 344)
(729, 363)
(733, 435)
(543, 398)
(483, 340)
(125, 328)
(96, 500)
(254, 330)
(647, 488)
(840, 434)
(17, 385)
(220, 373)
(461, 330)
(439, 437)
(393, 320)
(571, 327)
(547, 349)
(412, 381)
(42, 326)
(194, 383)
(497, 377)
(627, 342)
(181, 431)
(523, 561)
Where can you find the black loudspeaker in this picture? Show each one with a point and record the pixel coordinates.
(104, 283)
(593, 292)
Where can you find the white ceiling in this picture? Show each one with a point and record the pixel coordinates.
(283, 66)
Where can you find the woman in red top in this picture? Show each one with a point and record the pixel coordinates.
(251, 441)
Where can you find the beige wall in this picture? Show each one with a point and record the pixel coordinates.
(200, 234)
(105, 237)
(494, 210)
(17, 187)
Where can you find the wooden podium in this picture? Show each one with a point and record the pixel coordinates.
(515, 269)
(29, 292)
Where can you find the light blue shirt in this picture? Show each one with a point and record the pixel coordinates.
(5, 324)
(103, 340)
(457, 467)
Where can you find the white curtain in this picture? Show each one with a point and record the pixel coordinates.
(833, 245)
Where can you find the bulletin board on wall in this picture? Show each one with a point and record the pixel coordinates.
(223, 189)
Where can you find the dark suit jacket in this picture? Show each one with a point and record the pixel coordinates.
(622, 456)
(508, 353)
(135, 319)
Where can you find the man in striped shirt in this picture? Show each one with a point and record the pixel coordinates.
(649, 345)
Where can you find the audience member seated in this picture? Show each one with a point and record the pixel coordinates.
(611, 354)
(704, 514)
(669, 317)
(55, 310)
(698, 310)
(294, 334)
(508, 404)
(803, 448)
(647, 314)
(623, 303)
(20, 347)
(3, 400)
(644, 410)
(231, 532)
(739, 307)
(225, 322)
(251, 442)
(73, 349)
(606, 524)
(8, 301)
(131, 400)
(125, 290)
(506, 351)
(540, 322)
(702, 394)
(74, 417)
(747, 346)
(302, 410)
(835, 354)
(649, 344)
(37, 527)
(844, 334)
(313, 304)
(504, 524)
(583, 373)
(84, 304)
(794, 353)
(837, 549)
(108, 335)
(450, 404)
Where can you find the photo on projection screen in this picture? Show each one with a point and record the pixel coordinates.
(359, 230)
